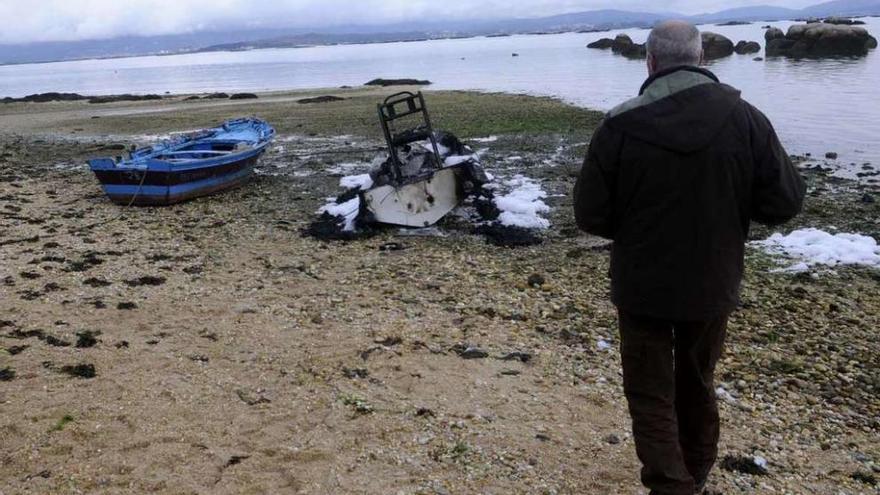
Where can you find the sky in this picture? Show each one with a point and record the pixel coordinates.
(66, 20)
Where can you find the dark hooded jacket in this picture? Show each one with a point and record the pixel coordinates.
(674, 177)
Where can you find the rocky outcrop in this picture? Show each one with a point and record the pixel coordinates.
(126, 97)
(624, 45)
(773, 33)
(819, 40)
(747, 47)
(397, 82)
(46, 98)
(843, 21)
(602, 44)
(716, 46)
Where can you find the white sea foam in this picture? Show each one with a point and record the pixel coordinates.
(523, 205)
(813, 247)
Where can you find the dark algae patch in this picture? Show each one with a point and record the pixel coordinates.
(87, 339)
(320, 99)
(38, 334)
(16, 349)
(96, 282)
(85, 371)
(150, 281)
(55, 341)
(865, 478)
(7, 374)
(502, 236)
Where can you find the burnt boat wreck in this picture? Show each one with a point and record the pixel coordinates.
(426, 176)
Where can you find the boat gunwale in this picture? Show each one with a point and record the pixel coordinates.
(147, 159)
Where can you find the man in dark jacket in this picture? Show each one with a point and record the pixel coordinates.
(674, 177)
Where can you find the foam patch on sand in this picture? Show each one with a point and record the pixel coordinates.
(347, 167)
(362, 182)
(523, 205)
(814, 247)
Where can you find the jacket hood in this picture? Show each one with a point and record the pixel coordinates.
(682, 109)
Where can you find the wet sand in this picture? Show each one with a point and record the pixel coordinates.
(210, 347)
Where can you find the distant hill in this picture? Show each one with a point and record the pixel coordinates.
(411, 31)
(843, 8)
(759, 13)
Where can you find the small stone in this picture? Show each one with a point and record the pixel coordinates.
(473, 353)
(612, 439)
(536, 280)
(424, 412)
(868, 199)
(524, 357)
(245, 309)
(831, 155)
(355, 373)
(391, 341)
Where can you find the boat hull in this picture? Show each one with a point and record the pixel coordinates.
(164, 188)
(189, 168)
(418, 204)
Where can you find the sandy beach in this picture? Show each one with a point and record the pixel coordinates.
(211, 347)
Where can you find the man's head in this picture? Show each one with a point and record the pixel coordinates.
(674, 43)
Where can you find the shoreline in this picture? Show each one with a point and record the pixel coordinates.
(231, 353)
(429, 38)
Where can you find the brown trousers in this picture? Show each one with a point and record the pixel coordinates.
(668, 378)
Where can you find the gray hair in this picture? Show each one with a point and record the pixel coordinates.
(673, 43)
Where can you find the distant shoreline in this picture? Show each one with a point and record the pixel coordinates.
(253, 49)
(357, 43)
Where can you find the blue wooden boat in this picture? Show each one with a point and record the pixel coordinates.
(186, 167)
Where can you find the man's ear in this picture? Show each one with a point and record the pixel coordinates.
(652, 64)
(702, 58)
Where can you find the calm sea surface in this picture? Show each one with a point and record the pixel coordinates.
(816, 106)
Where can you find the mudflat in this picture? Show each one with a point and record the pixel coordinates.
(211, 347)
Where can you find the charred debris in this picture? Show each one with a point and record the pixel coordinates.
(426, 176)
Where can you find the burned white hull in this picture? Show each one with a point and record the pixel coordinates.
(418, 204)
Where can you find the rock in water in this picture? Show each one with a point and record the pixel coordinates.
(843, 21)
(747, 47)
(773, 33)
(602, 44)
(397, 82)
(820, 40)
(716, 46)
(624, 45)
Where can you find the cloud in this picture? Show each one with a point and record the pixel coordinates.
(65, 20)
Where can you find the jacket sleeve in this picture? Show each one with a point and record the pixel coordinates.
(595, 188)
(778, 189)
